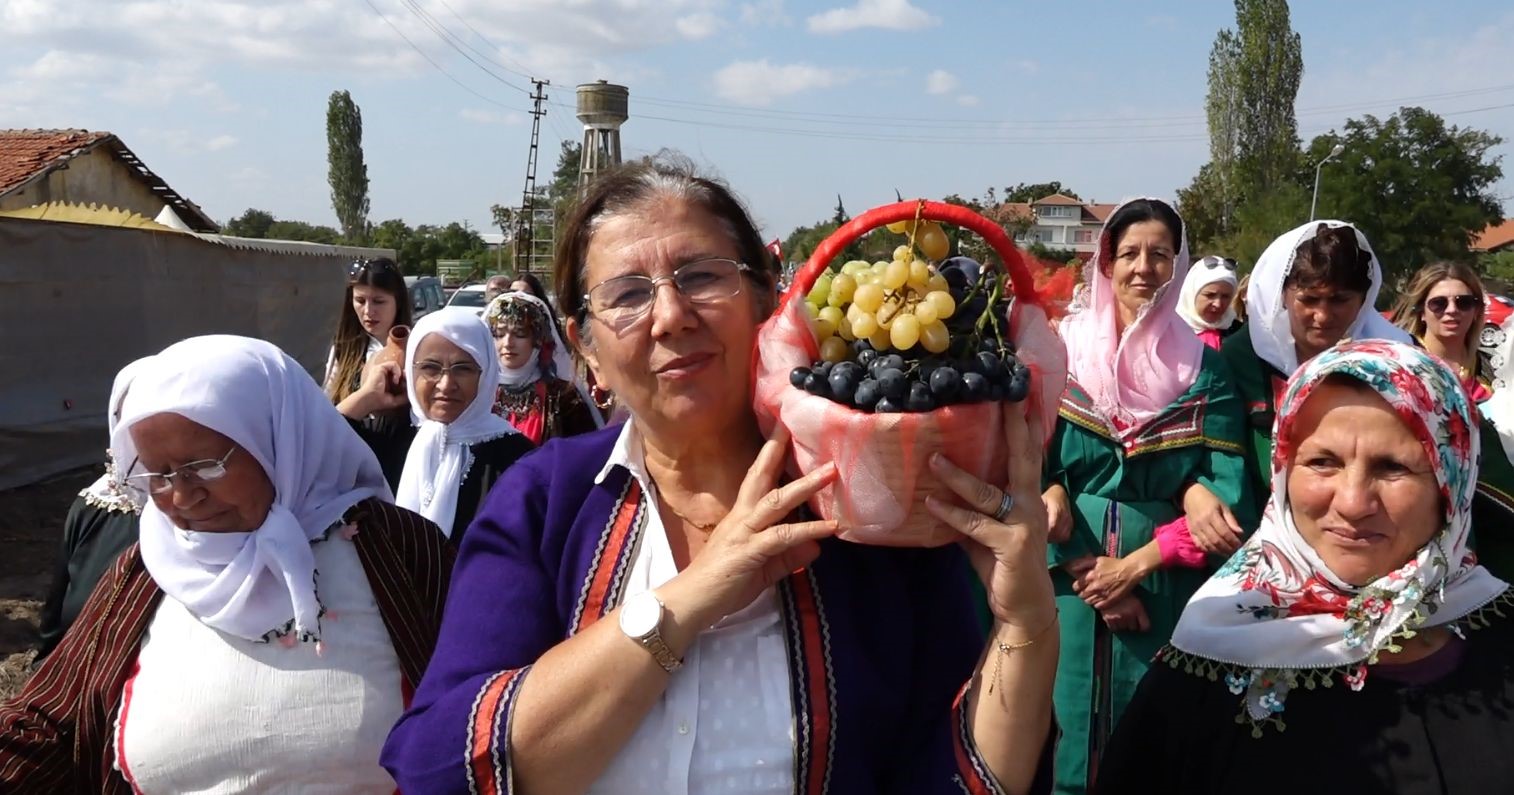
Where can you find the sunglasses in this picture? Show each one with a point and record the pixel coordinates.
(371, 265)
(1464, 303)
(1219, 262)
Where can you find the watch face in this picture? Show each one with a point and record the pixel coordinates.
(640, 615)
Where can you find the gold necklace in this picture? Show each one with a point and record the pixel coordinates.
(701, 527)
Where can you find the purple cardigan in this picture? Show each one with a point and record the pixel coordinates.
(881, 641)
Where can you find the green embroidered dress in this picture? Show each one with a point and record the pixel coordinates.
(1120, 493)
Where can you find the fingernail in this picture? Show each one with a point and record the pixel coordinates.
(936, 459)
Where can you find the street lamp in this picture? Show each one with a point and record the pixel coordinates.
(1334, 153)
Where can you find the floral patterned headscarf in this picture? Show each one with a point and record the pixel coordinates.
(1275, 616)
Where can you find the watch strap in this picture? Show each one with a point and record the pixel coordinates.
(658, 648)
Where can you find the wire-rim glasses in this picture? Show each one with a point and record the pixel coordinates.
(194, 473)
(623, 300)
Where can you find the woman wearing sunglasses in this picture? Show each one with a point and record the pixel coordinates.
(264, 634)
(1207, 302)
(454, 447)
(1443, 309)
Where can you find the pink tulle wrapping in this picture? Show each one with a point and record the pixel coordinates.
(882, 458)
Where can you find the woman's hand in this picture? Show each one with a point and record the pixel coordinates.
(1126, 615)
(1009, 554)
(1112, 579)
(750, 550)
(1210, 522)
(382, 389)
(1058, 514)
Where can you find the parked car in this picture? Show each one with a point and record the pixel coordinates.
(469, 296)
(425, 295)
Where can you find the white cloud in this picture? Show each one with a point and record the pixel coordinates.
(967, 101)
(698, 26)
(478, 116)
(885, 14)
(764, 12)
(940, 82)
(185, 141)
(761, 82)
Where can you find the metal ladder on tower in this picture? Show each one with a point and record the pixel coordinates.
(535, 234)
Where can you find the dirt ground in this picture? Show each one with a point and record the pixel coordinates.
(31, 522)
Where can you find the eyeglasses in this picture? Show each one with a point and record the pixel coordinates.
(1464, 303)
(371, 265)
(624, 300)
(195, 473)
(1219, 262)
(433, 371)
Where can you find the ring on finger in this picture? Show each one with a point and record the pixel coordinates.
(1006, 504)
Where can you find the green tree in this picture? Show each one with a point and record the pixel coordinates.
(252, 223)
(1497, 269)
(347, 174)
(1026, 193)
(299, 230)
(1256, 224)
(564, 188)
(1254, 74)
(1419, 189)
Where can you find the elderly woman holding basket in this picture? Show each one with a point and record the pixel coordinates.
(645, 609)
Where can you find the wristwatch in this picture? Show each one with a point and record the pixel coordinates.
(641, 620)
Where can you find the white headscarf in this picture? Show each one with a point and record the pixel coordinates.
(110, 491)
(439, 457)
(1207, 271)
(260, 582)
(1275, 612)
(1267, 314)
(559, 364)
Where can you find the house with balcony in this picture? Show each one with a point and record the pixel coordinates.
(1061, 222)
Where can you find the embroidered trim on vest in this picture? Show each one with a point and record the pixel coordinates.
(813, 682)
(612, 559)
(1497, 495)
(489, 734)
(973, 775)
(1077, 408)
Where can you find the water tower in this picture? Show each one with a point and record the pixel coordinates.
(602, 107)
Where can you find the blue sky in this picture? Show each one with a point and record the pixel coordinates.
(792, 102)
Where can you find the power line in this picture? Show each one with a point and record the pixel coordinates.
(450, 39)
(438, 66)
(526, 73)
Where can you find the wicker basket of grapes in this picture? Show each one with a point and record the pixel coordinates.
(876, 366)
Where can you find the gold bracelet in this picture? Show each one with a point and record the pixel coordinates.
(1005, 648)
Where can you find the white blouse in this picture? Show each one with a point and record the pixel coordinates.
(208, 712)
(374, 346)
(725, 724)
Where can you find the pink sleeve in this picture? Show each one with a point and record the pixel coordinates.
(1177, 547)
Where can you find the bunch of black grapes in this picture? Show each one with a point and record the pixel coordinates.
(979, 366)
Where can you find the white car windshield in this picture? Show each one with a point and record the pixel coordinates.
(468, 298)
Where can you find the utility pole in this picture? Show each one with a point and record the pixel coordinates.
(525, 233)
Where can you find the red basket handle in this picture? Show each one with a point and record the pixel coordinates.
(954, 214)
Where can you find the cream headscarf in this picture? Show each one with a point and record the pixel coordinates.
(440, 457)
(1207, 271)
(1267, 313)
(258, 583)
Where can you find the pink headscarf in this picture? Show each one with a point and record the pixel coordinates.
(1133, 378)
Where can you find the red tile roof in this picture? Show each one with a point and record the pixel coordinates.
(1495, 237)
(1057, 198)
(1097, 213)
(27, 153)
